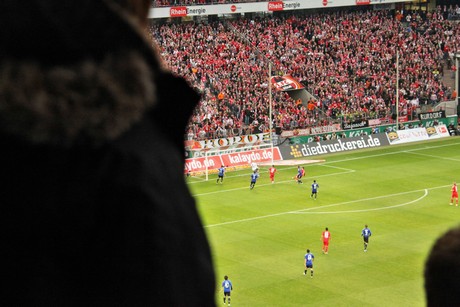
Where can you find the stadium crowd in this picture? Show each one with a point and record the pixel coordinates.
(346, 59)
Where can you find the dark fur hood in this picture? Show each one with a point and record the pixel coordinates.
(89, 101)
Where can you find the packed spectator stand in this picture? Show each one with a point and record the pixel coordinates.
(346, 59)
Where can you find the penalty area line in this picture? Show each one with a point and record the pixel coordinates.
(364, 210)
(322, 207)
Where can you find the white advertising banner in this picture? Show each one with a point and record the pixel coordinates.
(438, 132)
(417, 134)
(269, 6)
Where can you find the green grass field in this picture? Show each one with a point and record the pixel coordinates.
(259, 237)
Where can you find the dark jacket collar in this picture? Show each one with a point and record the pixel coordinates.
(89, 101)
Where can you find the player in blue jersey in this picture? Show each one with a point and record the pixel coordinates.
(366, 233)
(309, 257)
(254, 177)
(314, 190)
(220, 174)
(227, 287)
(300, 174)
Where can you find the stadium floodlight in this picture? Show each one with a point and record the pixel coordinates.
(270, 107)
(397, 90)
(457, 59)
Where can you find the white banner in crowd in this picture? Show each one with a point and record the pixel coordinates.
(229, 142)
(271, 6)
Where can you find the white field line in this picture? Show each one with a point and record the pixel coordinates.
(334, 205)
(336, 167)
(243, 173)
(262, 170)
(247, 173)
(197, 178)
(433, 156)
(269, 184)
(364, 210)
(393, 153)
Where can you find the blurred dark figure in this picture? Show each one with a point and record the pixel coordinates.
(452, 130)
(442, 271)
(94, 208)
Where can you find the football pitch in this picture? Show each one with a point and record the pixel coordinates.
(259, 237)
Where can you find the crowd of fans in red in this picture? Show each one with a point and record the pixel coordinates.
(346, 59)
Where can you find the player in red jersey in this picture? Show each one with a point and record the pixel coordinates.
(326, 236)
(454, 191)
(272, 171)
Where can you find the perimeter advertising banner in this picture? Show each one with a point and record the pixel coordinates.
(236, 159)
(332, 146)
(246, 158)
(417, 134)
(203, 163)
(380, 129)
(253, 7)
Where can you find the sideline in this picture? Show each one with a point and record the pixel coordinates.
(245, 173)
(433, 156)
(327, 163)
(394, 153)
